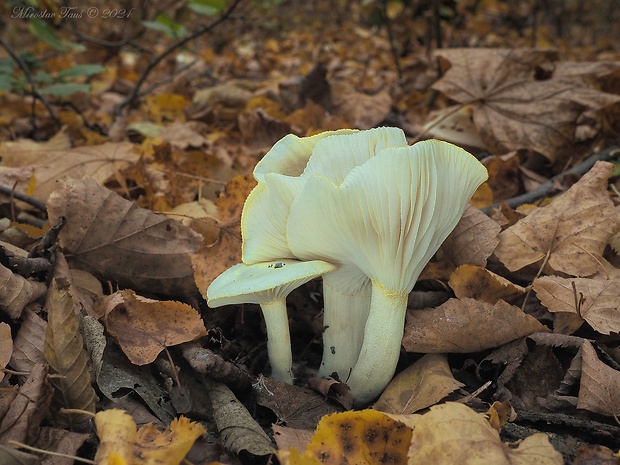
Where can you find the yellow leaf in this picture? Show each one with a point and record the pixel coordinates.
(117, 432)
(362, 437)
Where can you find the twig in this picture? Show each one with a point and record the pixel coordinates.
(159, 58)
(35, 93)
(546, 188)
(24, 198)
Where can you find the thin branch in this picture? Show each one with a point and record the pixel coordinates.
(159, 58)
(547, 187)
(24, 198)
(35, 93)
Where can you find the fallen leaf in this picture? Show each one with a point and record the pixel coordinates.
(593, 300)
(144, 327)
(65, 354)
(453, 433)
(419, 386)
(573, 229)
(16, 292)
(513, 109)
(599, 386)
(114, 239)
(361, 111)
(6, 347)
(467, 325)
(479, 283)
(364, 437)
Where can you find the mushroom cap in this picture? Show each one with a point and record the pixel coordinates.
(389, 215)
(263, 282)
(283, 172)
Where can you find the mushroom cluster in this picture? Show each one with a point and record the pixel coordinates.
(373, 208)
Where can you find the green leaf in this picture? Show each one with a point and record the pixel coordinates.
(46, 33)
(64, 89)
(6, 82)
(168, 25)
(207, 7)
(42, 77)
(6, 66)
(81, 71)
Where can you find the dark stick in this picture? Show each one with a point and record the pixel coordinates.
(543, 190)
(24, 198)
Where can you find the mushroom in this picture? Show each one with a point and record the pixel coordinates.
(268, 284)
(281, 175)
(384, 220)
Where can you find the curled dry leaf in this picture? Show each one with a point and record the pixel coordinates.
(100, 162)
(16, 292)
(122, 442)
(480, 283)
(593, 300)
(364, 437)
(467, 325)
(599, 385)
(116, 240)
(573, 229)
(453, 433)
(144, 327)
(64, 352)
(419, 386)
(512, 109)
(471, 242)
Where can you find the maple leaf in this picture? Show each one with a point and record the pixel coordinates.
(517, 103)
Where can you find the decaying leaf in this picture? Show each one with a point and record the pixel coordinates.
(466, 325)
(573, 229)
(16, 292)
(453, 433)
(599, 386)
(64, 352)
(115, 240)
(28, 345)
(364, 437)
(123, 443)
(214, 259)
(144, 327)
(421, 385)
(593, 300)
(6, 347)
(513, 109)
(479, 283)
(99, 162)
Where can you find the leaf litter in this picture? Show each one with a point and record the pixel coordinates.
(530, 299)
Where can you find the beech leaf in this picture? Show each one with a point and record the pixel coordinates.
(599, 385)
(573, 229)
(467, 325)
(116, 240)
(419, 386)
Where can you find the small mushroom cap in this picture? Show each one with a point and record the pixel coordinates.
(389, 215)
(263, 282)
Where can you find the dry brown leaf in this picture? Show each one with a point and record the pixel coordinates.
(467, 325)
(599, 385)
(26, 412)
(574, 229)
(214, 259)
(515, 108)
(16, 292)
(453, 433)
(65, 353)
(28, 344)
(593, 300)
(6, 347)
(419, 386)
(479, 283)
(471, 242)
(144, 327)
(361, 111)
(60, 441)
(99, 162)
(114, 239)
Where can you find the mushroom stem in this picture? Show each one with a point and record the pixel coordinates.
(278, 340)
(344, 320)
(381, 346)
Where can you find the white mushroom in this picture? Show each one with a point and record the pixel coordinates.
(268, 284)
(281, 175)
(384, 220)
